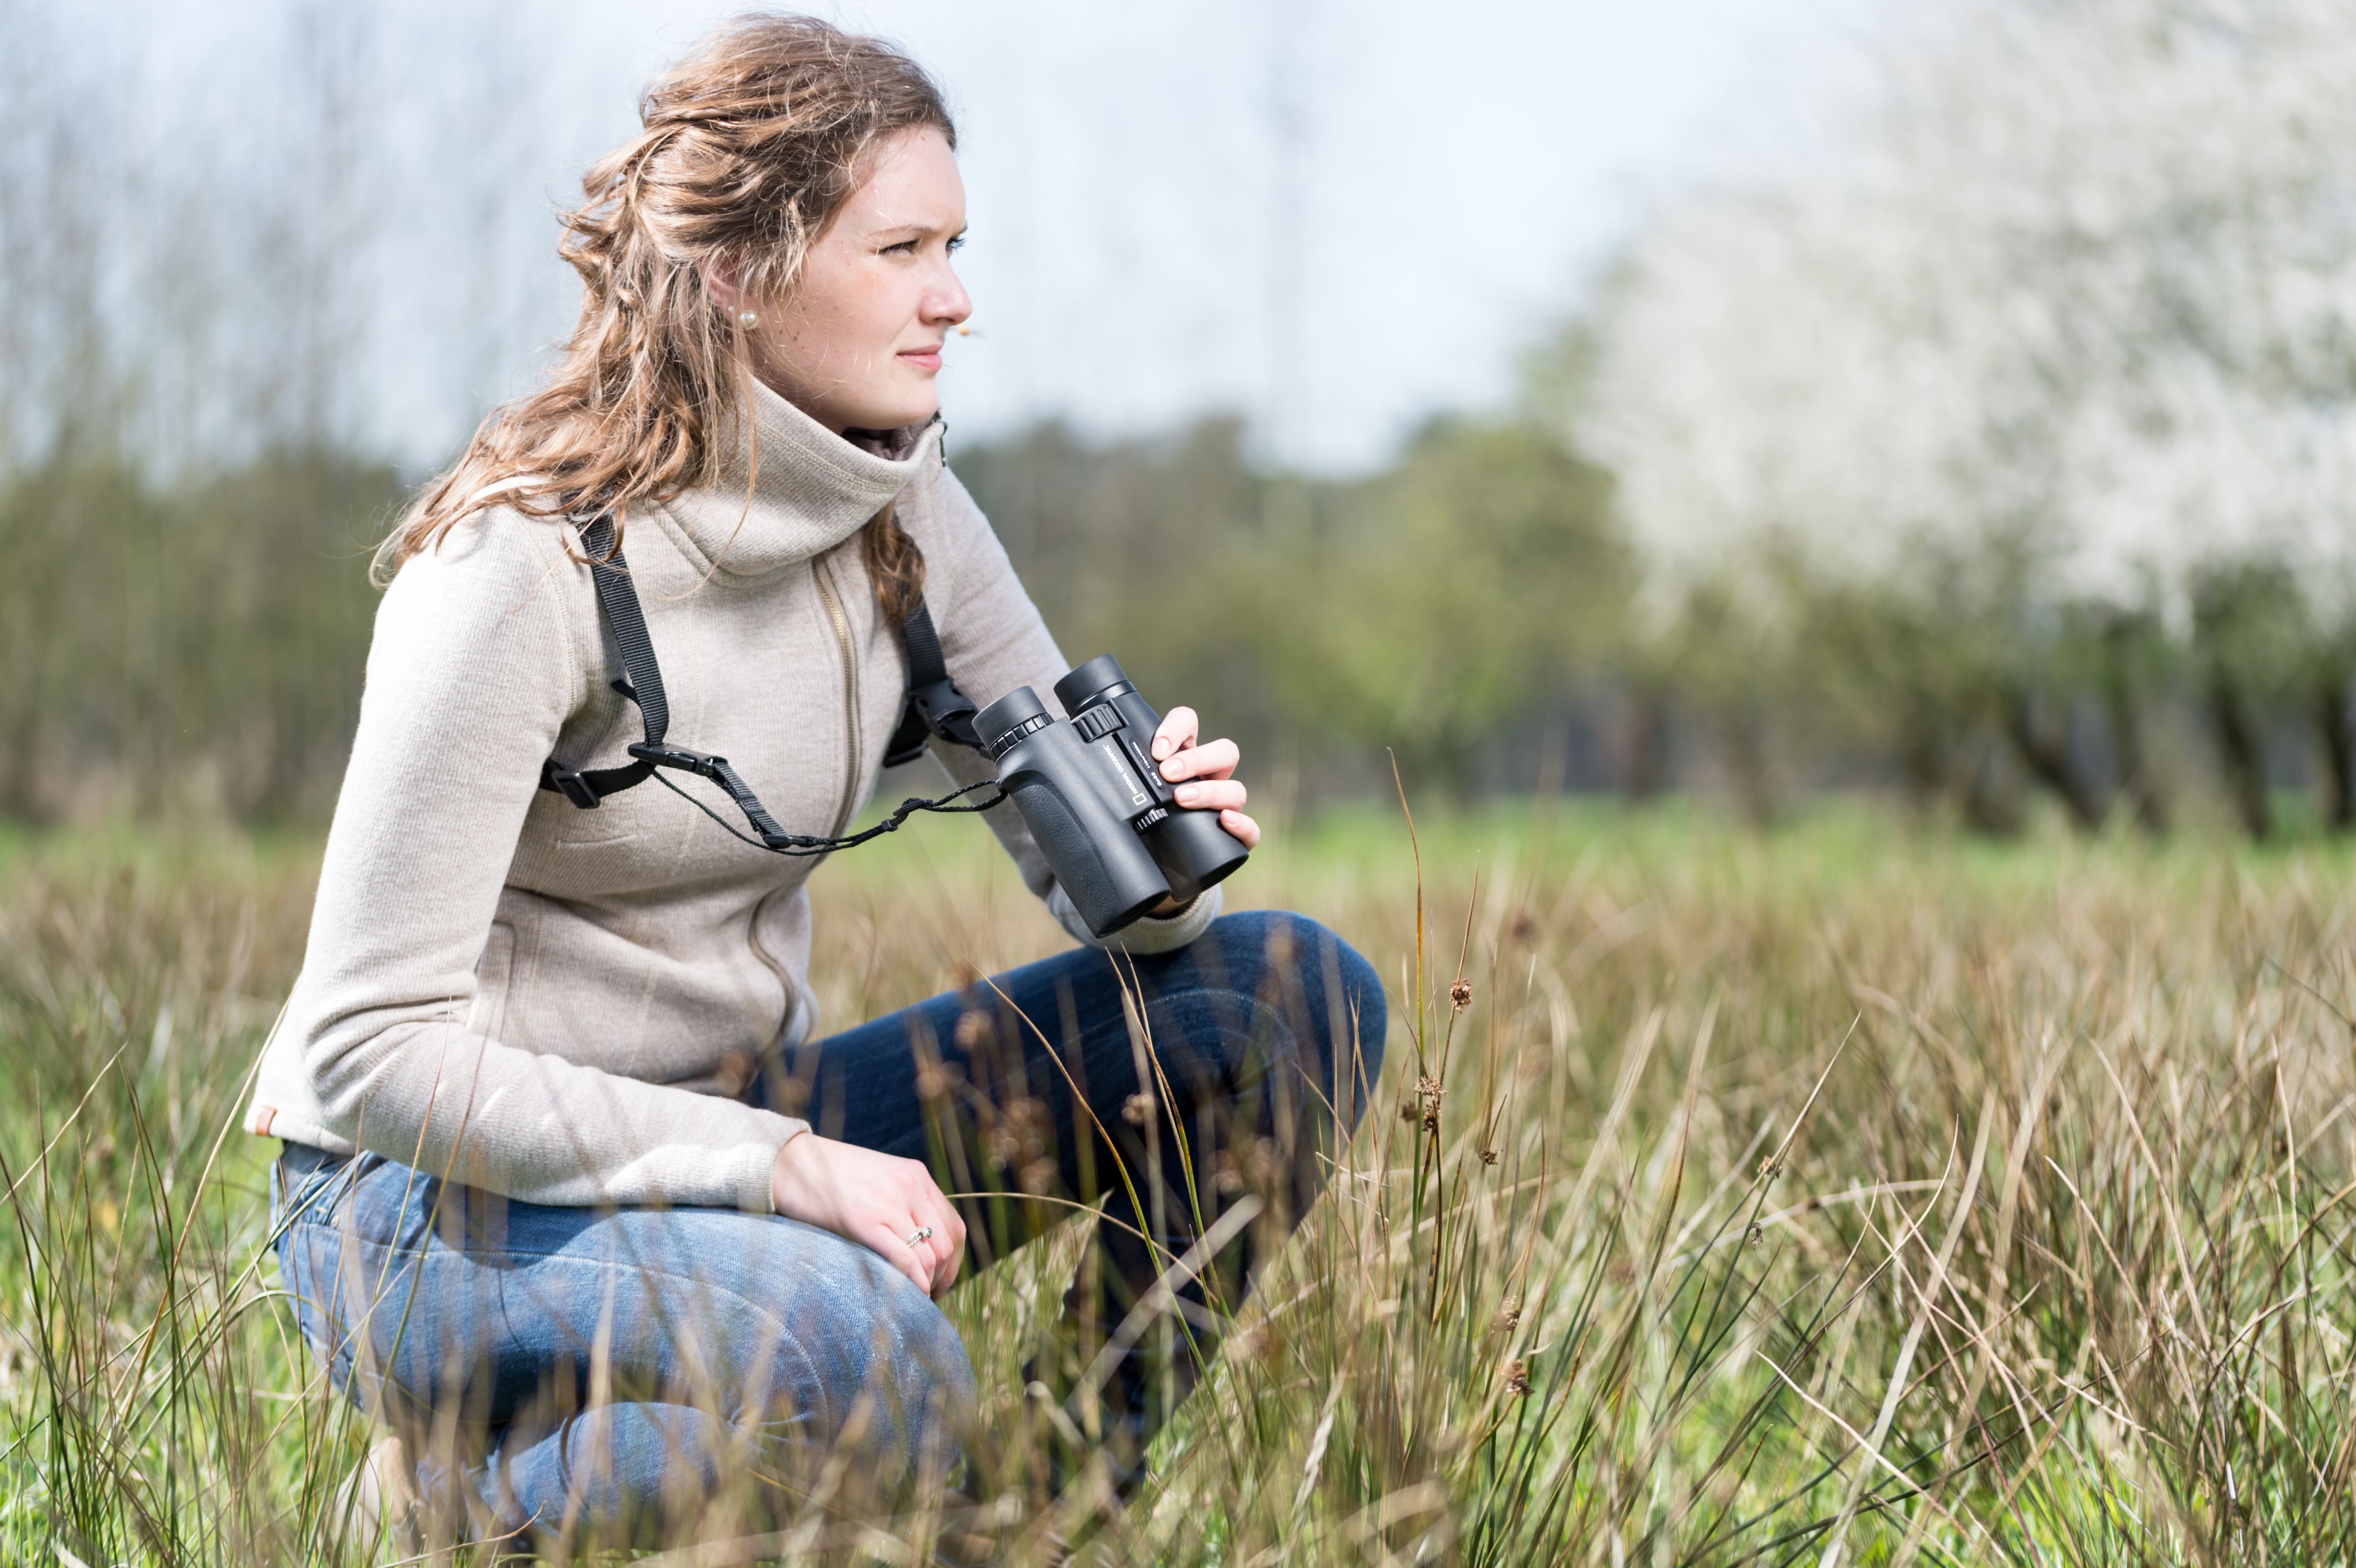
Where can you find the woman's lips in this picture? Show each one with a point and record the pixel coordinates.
(922, 359)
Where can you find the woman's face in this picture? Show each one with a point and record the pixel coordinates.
(857, 343)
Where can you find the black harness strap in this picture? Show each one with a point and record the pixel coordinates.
(934, 706)
(643, 686)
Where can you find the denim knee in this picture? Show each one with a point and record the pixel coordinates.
(1338, 1028)
(898, 1365)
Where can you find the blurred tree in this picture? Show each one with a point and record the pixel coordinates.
(2250, 632)
(1129, 548)
(1423, 608)
(1446, 596)
(198, 646)
(2055, 326)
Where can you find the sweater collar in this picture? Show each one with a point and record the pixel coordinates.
(789, 488)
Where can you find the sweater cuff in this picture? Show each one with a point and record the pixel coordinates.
(755, 1193)
(1169, 935)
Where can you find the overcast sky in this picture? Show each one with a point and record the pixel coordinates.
(1333, 216)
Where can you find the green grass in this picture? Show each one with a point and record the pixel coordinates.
(1855, 1190)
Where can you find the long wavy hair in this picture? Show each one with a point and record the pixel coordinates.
(750, 147)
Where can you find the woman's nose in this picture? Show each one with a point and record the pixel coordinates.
(945, 302)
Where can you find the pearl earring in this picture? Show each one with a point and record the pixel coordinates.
(748, 319)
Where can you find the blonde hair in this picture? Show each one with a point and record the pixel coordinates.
(750, 147)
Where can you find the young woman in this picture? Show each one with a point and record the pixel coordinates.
(553, 1207)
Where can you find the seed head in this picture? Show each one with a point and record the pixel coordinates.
(1488, 1155)
(1461, 993)
(1753, 1236)
(1517, 1377)
(1509, 1316)
(1137, 1110)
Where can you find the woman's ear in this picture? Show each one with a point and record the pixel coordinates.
(724, 282)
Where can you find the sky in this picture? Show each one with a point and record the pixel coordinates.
(1333, 218)
(1336, 219)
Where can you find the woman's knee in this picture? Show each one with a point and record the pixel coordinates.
(897, 1376)
(1331, 997)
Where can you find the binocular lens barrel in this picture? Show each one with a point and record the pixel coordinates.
(1091, 682)
(1009, 719)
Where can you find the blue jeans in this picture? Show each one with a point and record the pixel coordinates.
(563, 1369)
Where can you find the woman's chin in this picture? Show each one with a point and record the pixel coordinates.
(899, 412)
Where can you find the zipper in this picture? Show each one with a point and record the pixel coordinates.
(849, 701)
(785, 978)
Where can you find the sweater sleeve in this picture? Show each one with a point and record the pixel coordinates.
(474, 664)
(993, 640)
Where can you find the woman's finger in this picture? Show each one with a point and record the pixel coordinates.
(948, 1244)
(1212, 795)
(912, 1259)
(930, 1211)
(1245, 830)
(1177, 731)
(1212, 760)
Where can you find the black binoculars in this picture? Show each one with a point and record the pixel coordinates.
(1096, 802)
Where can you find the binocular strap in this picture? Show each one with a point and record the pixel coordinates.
(935, 707)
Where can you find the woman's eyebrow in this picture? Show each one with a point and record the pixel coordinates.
(906, 227)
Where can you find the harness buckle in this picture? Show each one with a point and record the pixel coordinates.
(569, 785)
(948, 711)
(685, 759)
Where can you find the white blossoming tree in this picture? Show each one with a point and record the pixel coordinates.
(2052, 328)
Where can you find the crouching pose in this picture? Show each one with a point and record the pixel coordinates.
(577, 1201)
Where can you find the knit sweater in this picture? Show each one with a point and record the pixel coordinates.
(562, 1005)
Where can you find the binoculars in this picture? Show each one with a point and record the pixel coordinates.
(1096, 802)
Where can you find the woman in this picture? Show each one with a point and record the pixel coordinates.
(553, 1207)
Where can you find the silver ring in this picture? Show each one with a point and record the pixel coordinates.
(921, 1233)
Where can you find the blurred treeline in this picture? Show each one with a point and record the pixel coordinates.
(196, 644)
(1455, 609)
(192, 646)
(1471, 609)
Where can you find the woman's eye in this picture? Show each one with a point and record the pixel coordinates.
(904, 248)
(957, 242)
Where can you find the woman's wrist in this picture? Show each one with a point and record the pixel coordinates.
(781, 1171)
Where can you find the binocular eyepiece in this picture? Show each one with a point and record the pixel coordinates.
(1094, 800)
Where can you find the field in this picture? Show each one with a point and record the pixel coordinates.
(1849, 1193)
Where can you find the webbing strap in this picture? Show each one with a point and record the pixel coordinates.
(644, 686)
(926, 665)
(620, 600)
(934, 704)
(934, 707)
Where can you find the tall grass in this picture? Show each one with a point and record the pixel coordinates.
(1836, 1195)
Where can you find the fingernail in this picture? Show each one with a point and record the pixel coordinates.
(1162, 745)
(1187, 795)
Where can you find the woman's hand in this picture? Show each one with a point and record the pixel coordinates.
(877, 1200)
(1207, 772)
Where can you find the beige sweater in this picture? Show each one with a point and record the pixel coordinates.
(560, 1005)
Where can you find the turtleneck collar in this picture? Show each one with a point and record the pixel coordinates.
(810, 489)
